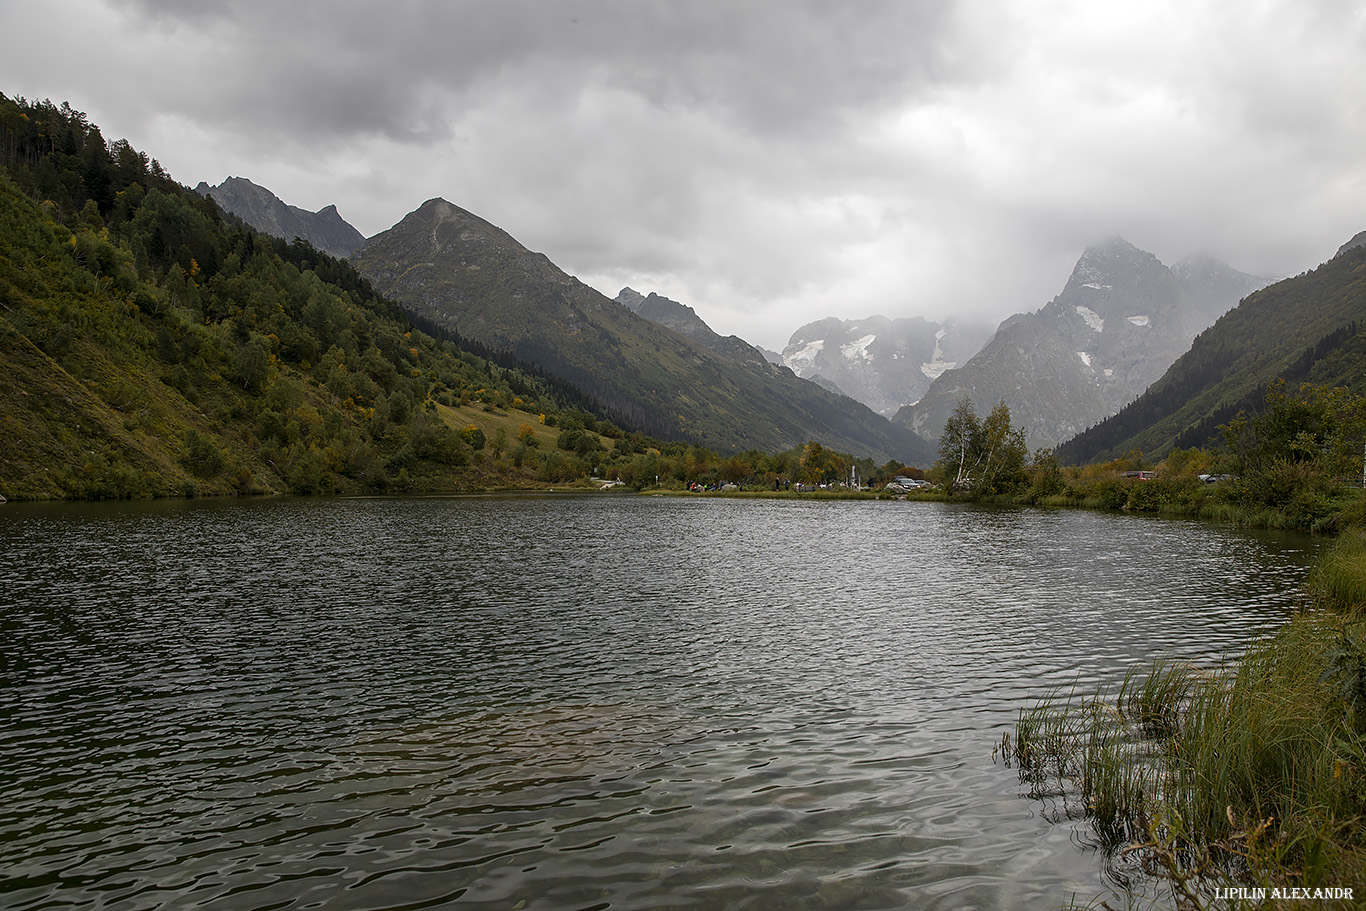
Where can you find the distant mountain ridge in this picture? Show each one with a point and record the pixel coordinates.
(884, 363)
(1121, 320)
(1359, 240)
(684, 320)
(456, 270)
(325, 229)
(1309, 328)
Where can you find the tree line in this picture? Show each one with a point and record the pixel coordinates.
(1296, 460)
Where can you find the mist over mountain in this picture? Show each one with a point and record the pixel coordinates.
(1121, 320)
(455, 270)
(884, 363)
(1309, 328)
(325, 229)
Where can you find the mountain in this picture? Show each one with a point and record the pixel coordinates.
(151, 346)
(884, 363)
(685, 321)
(1310, 328)
(456, 271)
(1358, 240)
(264, 211)
(1121, 320)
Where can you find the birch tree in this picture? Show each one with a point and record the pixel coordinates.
(986, 456)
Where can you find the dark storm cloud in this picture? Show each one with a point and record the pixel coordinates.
(767, 162)
(400, 68)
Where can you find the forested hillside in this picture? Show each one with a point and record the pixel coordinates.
(1303, 329)
(149, 345)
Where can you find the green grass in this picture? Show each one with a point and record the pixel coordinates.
(1252, 774)
(1339, 578)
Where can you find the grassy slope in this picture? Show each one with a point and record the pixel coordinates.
(491, 420)
(88, 409)
(52, 420)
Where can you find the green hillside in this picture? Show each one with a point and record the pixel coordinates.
(456, 271)
(151, 346)
(1310, 328)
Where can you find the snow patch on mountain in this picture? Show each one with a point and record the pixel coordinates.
(1093, 319)
(1138, 320)
(858, 349)
(806, 355)
(1085, 358)
(932, 369)
(879, 361)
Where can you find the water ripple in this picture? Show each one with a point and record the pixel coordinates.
(551, 703)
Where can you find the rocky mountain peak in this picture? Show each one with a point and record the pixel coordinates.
(266, 212)
(684, 320)
(631, 299)
(1199, 265)
(1111, 262)
(1358, 240)
(450, 225)
(1120, 321)
(452, 238)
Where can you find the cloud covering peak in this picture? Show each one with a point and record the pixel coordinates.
(768, 163)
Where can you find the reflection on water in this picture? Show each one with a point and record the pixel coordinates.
(552, 703)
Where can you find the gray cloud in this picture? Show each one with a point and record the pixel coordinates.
(767, 162)
(764, 66)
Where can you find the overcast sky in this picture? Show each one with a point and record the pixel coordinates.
(768, 162)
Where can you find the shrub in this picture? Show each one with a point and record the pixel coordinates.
(474, 437)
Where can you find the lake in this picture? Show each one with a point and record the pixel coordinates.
(572, 702)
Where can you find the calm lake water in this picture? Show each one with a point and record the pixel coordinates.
(571, 703)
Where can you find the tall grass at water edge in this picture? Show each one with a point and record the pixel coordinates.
(1338, 580)
(1252, 774)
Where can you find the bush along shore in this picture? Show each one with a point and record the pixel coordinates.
(1296, 464)
(1243, 786)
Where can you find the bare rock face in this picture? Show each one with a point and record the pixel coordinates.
(884, 363)
(264, 211)
(1359, 240)
(1121, 321)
